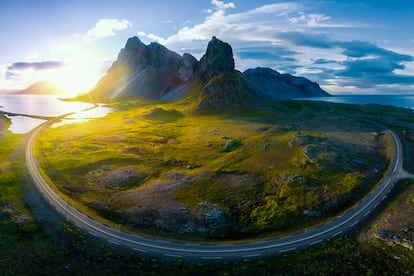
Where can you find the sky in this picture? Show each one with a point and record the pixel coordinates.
(348, 47)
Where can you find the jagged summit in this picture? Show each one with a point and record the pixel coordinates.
(225, 88)
(143, 71)
(153, 72)
(218, 59)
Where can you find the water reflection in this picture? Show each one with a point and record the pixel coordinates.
(98, 112)
(23, 124)
(40, 105)
(68, 121)
(47, 106)
(84, 116)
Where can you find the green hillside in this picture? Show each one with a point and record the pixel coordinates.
(157, 169)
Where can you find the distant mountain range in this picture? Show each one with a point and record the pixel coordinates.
(42, 88)
(152, 72)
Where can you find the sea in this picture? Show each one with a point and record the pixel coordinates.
(404, 101)
(52, 106)
(45, 106)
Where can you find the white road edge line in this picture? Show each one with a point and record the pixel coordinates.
(287, 250)
(113, 242)
(140, 250)
(173, 256)
(337, 233)
(56, 200)
(252, 256)
(355, 222)
(315, 242)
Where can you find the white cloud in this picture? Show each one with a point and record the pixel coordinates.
(277, 9)
(152, 37)
(141, 34)
(107, 27)
(156, 38)
(300, 18)
(223, 6)
(255, 25)
(315, 19)
(311, 20)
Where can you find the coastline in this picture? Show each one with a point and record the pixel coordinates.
(397, 101)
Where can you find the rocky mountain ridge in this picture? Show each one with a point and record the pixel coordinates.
(152, 72)
(42, 88)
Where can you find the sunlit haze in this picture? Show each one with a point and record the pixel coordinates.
(346, 46)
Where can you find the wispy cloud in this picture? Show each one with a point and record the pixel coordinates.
(152, 37)
(220, 5)
(359, 49)
(313, 19)
(106, 28)
(42, 65)
(314, 40)
(295, 37)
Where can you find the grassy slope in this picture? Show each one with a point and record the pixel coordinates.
(52, 247)
(251, 165)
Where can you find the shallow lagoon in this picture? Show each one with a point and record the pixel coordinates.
(46, 106)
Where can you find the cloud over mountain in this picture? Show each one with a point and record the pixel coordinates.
(295, 38)
(107, 27)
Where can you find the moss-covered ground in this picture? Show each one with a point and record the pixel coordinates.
(36, 241)
(158, 169)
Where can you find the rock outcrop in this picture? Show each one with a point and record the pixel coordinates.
(217, 60)
(148, 72)
(282, 86)
(152, 72)
(225, 88)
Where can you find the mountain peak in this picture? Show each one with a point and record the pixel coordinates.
(224, 87)
(43, 88)
(133, 43)
(153, 72)
(218, 59)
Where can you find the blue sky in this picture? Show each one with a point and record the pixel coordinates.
(349, 46)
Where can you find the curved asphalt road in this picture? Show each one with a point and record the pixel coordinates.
(194, 251)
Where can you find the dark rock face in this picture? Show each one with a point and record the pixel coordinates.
(217, 60)
(148, 72)
(225, 88)
(187, 67)
(152, 72)
(282, 86)
(224, 93)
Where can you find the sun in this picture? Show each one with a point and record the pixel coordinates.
(80, 72)
(76, 77)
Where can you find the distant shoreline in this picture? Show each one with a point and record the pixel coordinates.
(396, 101)
(12, 114)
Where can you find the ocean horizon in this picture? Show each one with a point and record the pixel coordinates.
(403, 101)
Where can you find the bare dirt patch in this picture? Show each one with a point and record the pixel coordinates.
(115, 177)
(152, 206)
(395, 225)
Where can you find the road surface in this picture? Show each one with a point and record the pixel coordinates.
(217, 251)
